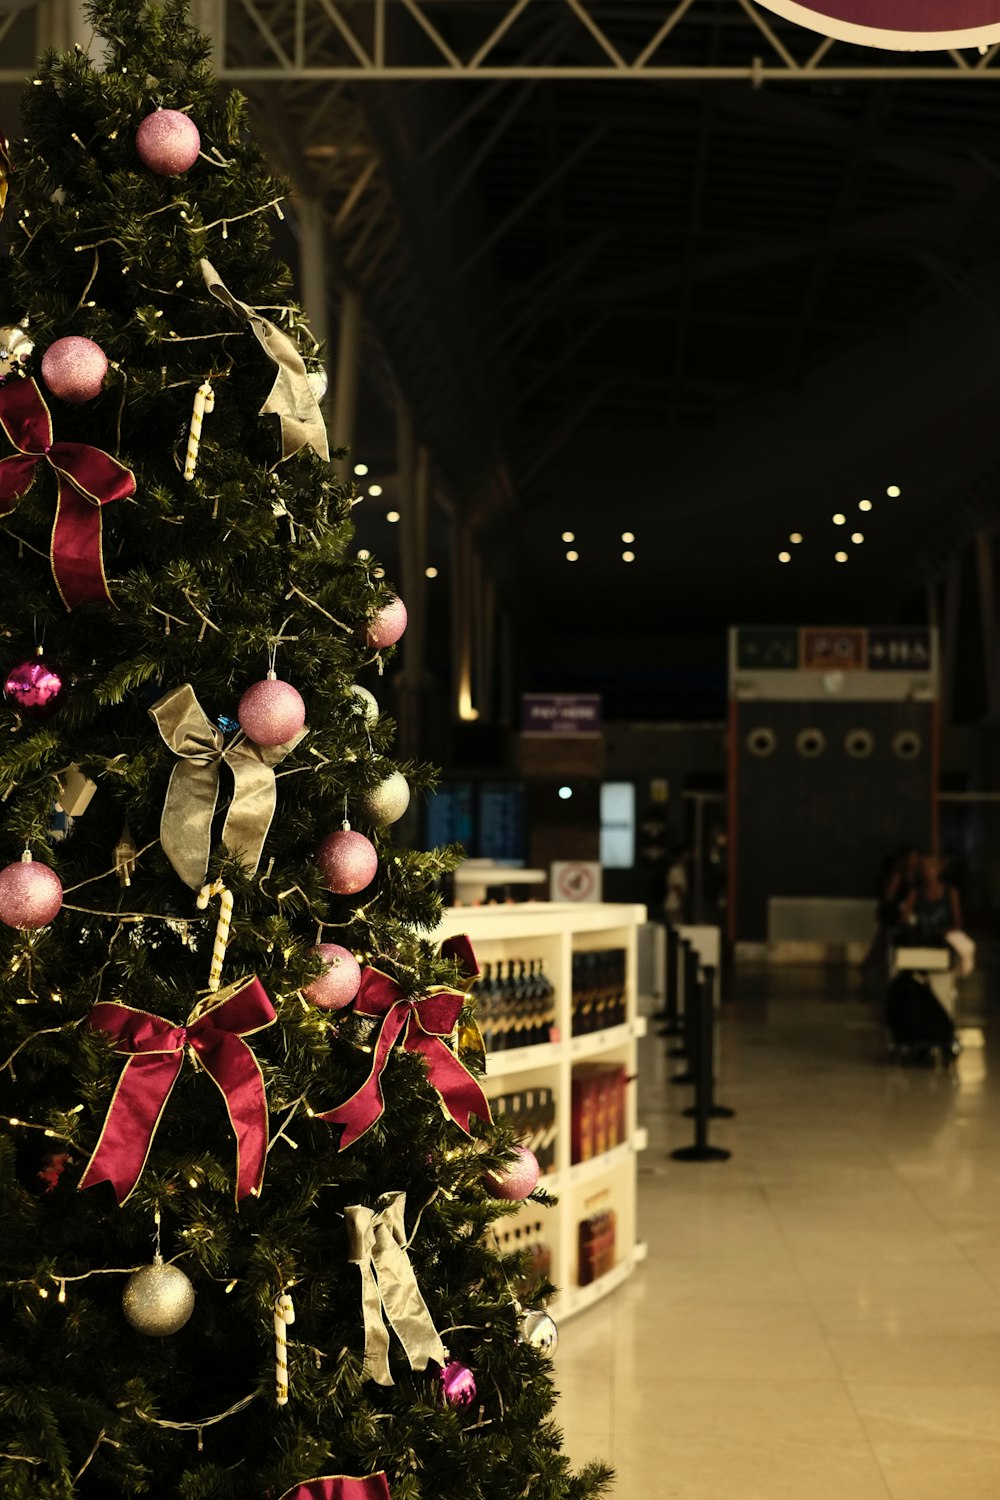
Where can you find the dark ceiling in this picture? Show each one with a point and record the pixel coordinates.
(707, 313)
(726, 314)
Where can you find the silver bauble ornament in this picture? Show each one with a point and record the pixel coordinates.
(15, 347)
(365, 702)
(319, 382)
(158, 1300)
(539, 1330)
(387, 802)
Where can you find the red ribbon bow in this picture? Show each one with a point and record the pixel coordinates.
(341, 1487)
(155, 1049)
(87, 479)
(423, 1025)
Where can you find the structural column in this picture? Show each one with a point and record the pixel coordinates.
(985, 575)
(348, 374)
(312, 228)
(462, 622)
(414, 466)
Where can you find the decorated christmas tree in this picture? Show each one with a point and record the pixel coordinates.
(248, 1174)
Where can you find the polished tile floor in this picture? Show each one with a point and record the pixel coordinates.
(818, 1318)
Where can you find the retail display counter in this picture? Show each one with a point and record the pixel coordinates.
(572, 968)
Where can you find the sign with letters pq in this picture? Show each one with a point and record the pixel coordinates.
(899, 25)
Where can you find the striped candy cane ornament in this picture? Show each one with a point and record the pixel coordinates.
(204, 403)
(284, 1316)
(222, 927)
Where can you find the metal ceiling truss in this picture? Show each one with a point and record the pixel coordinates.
(602, 40)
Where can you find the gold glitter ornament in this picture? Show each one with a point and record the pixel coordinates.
(386, 803)
(158, 1299)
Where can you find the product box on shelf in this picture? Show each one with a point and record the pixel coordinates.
(597, 1117)
(596, 1243)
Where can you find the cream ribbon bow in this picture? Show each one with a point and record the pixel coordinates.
(377, 1245)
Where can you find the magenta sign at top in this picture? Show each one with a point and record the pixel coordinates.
(900, 25)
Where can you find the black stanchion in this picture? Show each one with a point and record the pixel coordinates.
(701, 1000)
(671, 1016)
(715, 1111)
(688, 1045)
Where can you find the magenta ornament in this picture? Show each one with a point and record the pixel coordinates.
(386, 627)
(30, 894)
(74, 368)
(458, 1384)
(271, 712)
(168, 142)
(348, 861)
(34, 688)
(516, 1181)
(339, 982)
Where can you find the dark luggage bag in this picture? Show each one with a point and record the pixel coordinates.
(918, 1023)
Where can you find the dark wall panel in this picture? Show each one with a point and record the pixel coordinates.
(821, 824)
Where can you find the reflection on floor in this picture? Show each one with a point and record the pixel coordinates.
(818, 1318)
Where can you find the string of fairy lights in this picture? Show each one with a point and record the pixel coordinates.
(839, 519)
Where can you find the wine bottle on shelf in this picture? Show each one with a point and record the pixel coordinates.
(520, 1005)
(551, 1030)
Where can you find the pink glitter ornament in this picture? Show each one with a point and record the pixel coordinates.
(517, 1181)
(34, 688)
(74, 369)
(30, 894)
(168, 142)
(348, 861)
(458, 1384)
(271, 712)
(386, 627)
(338, 984)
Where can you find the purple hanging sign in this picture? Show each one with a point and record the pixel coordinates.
(900, 25)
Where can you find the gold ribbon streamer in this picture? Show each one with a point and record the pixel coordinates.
(193, 790)
(377, 1245)
(291, 398)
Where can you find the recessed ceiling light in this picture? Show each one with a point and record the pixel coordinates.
(628, 557)
(864, 505)
(628, 536)
(795, 537)
(572, 556)
(375, 490)
(840, 557)
(430, 572)
(894, 492)
(839, 519)
(565, 793)
(784, 557)
(360, 469)
(392, 516)
(857, 536)
(569, 536)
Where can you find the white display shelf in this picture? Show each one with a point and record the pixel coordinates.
(555, 931)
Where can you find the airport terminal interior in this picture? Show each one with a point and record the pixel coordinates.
(499, 590)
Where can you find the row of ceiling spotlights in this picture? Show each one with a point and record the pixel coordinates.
(360, 471)
(839, 519)
(573, 556)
